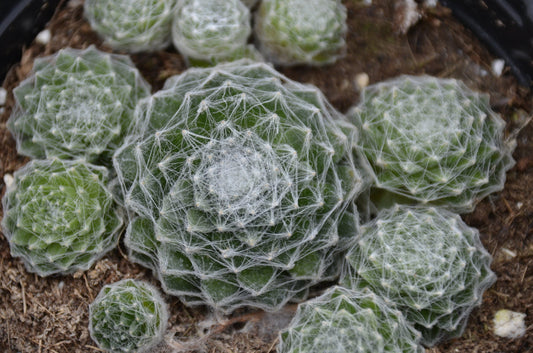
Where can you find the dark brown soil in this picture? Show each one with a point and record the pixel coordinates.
(51, 314)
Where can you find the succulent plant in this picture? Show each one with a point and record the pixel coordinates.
(292, 32)
(76, 104)
(433, 141)
(59, 216)
(133, 26)
(347, 321)
(427, 262)
(128, 316)
(242, 182)
(211, 30)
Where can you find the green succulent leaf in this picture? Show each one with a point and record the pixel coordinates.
(347, 321)
(309, 32)
(207, 32)
(59, 216)
(143, 25)
(224, 167)
(427, 262)
(433, 141)
(128, 316)
(76, 104)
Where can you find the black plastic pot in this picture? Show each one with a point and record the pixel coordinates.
(20, 22)
(506, 27)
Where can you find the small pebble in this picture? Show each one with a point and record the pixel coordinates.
(509, 253)
(8, 180)
(362, 80)
(509, 324)
(3, 96)
(519, 205)
(497, 67)
(43, 37)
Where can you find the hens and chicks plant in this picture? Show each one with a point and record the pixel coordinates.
(239, 180)
(240, 185)
(208, 32)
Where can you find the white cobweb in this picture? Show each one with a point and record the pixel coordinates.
(349, 321)
(59, 216)
(427, 262)
(128, 316)
(140, 25)
(292, 32)
(76, 104)
(211, 29)
(242, 180)
(433, 140)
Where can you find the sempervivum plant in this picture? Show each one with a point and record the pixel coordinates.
(347, 321)
(433, 141)
(59, 216)
(76, 104)
(128, 316)
(428, 262)
(210, 30)
(242, 180)
(292, 32)
(140, 25)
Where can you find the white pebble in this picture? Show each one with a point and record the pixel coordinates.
(8, 180)
(510, 254)
(362, 80)
(43, 37)
(3, 95)
(497, 67)
(407, 14)
(519, 205)
(509, 324)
